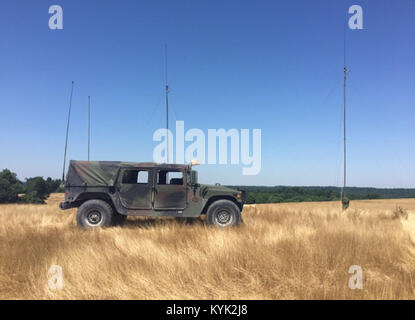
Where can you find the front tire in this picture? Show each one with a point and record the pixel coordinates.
(223, 214)
(95, 214)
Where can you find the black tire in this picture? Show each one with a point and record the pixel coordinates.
(95, 214)
(223, 214)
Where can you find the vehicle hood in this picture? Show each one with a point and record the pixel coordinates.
(217, 189)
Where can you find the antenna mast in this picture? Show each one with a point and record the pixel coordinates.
(167, 107)
(89, 125)
(67, 133)
(345, 202)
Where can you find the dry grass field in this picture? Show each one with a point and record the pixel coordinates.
(283, 251)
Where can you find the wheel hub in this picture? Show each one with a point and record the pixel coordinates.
(223, 217)
(94, 217)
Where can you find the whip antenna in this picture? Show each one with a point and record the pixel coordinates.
(344, 200)
(167, 105)
(67, 133)
(89, 124)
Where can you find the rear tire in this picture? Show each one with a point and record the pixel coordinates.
(95, 214)
(223, 214)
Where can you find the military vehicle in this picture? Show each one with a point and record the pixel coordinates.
(106, 192)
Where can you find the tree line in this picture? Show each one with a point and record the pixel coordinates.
(277, 194)
(33, 190)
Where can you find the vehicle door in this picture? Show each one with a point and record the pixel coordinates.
(135, 188)
(170, 189)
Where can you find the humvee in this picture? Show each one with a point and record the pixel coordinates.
(106, 192)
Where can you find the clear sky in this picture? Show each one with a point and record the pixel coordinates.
(273, 65)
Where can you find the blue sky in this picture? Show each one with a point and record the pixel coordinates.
(272, 65)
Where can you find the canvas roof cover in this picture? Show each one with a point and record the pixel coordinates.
(92, 173)
(103, 173)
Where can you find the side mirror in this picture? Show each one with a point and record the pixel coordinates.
(193, 177)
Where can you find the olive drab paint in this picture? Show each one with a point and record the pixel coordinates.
(118, 183)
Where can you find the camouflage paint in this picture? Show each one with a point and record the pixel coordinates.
(103, 180)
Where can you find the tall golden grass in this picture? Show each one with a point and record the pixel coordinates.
(284, 251)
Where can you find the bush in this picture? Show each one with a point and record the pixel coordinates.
(54, 185)
(32, 197)
(37, 190)
(10, 187)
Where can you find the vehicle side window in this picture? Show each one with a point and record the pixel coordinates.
(135, 176)
(170, 177)
(142, 176)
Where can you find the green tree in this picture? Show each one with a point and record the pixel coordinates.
(54, 185)
(10, 187)
(37, 190)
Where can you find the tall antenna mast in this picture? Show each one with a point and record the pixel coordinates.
(89, 125)
(167, 106)
(67, 133)
(345, 203)
(344, 200)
